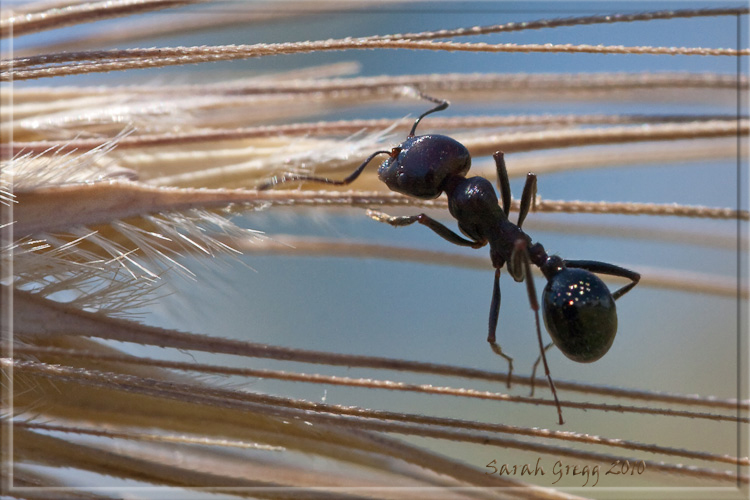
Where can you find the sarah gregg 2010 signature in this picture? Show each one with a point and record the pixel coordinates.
(561, 469)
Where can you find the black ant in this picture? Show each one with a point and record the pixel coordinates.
(579, 310)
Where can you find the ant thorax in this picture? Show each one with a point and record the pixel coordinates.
(474, 204)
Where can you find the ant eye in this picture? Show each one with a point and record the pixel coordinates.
(580, 314)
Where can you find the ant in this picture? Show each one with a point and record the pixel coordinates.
(579, 310)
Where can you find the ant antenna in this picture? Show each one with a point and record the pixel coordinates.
(520, 252)
(302, 177)
(441, 105)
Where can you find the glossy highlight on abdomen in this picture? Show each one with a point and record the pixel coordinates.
(580, 314)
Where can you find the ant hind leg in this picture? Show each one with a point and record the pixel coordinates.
(503, 184)
(494, 314)
(609, 269)
(536, 365)
(520, 258)
(528, 198)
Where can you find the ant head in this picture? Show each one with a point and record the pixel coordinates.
(579, 313)
(420, 165)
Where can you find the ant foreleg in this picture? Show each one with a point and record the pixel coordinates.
(503, 184)
(494, 314)
(428, 221)
(521, 253)
(608, 269)
(528, 197)
(536, 365)
(301, 177)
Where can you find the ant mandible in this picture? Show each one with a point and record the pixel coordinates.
(579, 310)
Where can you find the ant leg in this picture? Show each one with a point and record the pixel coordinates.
(520, 252)
(536, 365)
(609, 269)
(494, 313)
(528, 198)
(428, 221)
(301, 177)
(503, 183)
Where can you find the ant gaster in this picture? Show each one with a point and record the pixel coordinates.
(579, 310)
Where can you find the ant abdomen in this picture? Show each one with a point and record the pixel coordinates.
(580, 314)
(420, 165)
